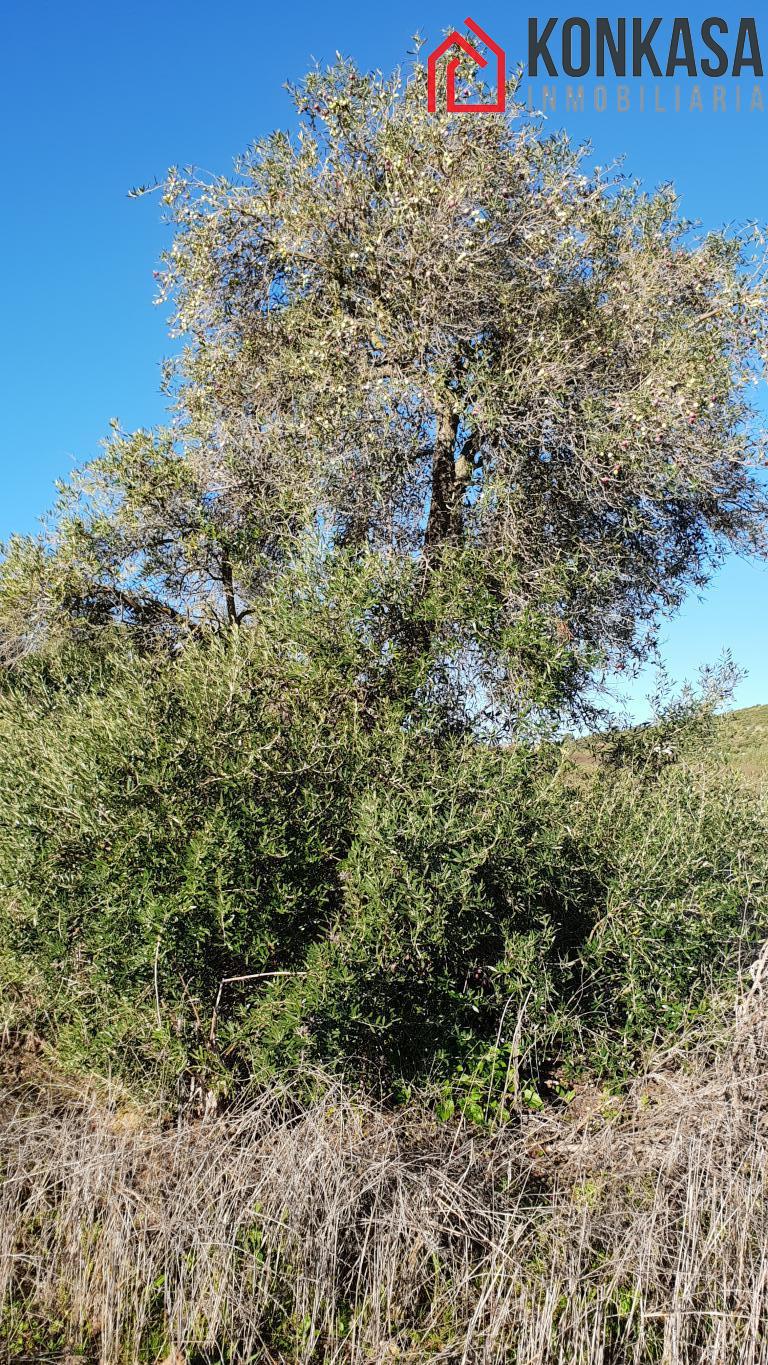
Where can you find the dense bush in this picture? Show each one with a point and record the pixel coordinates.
(404, 899)
(228, 813)
(685, 900)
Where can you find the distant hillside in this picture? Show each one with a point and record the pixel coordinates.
(746, 740)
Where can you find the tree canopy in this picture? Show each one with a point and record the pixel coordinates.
(443, 348)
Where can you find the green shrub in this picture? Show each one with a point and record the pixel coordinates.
(227, 813)
(241, 859)
(685, 901)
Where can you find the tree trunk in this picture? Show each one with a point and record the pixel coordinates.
(228, 583)
(444, 523)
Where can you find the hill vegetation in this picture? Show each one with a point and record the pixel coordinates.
(745, 741)
(741, 737)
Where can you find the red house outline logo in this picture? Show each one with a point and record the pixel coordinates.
(458, 40)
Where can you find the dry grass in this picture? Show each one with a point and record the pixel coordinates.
(338, 1232)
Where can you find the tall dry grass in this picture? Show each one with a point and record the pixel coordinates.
(336, 1231)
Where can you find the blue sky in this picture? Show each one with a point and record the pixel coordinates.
(96, 98)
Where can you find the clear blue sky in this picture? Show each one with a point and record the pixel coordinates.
(96, 98)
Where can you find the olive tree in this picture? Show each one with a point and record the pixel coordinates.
(442, 342)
